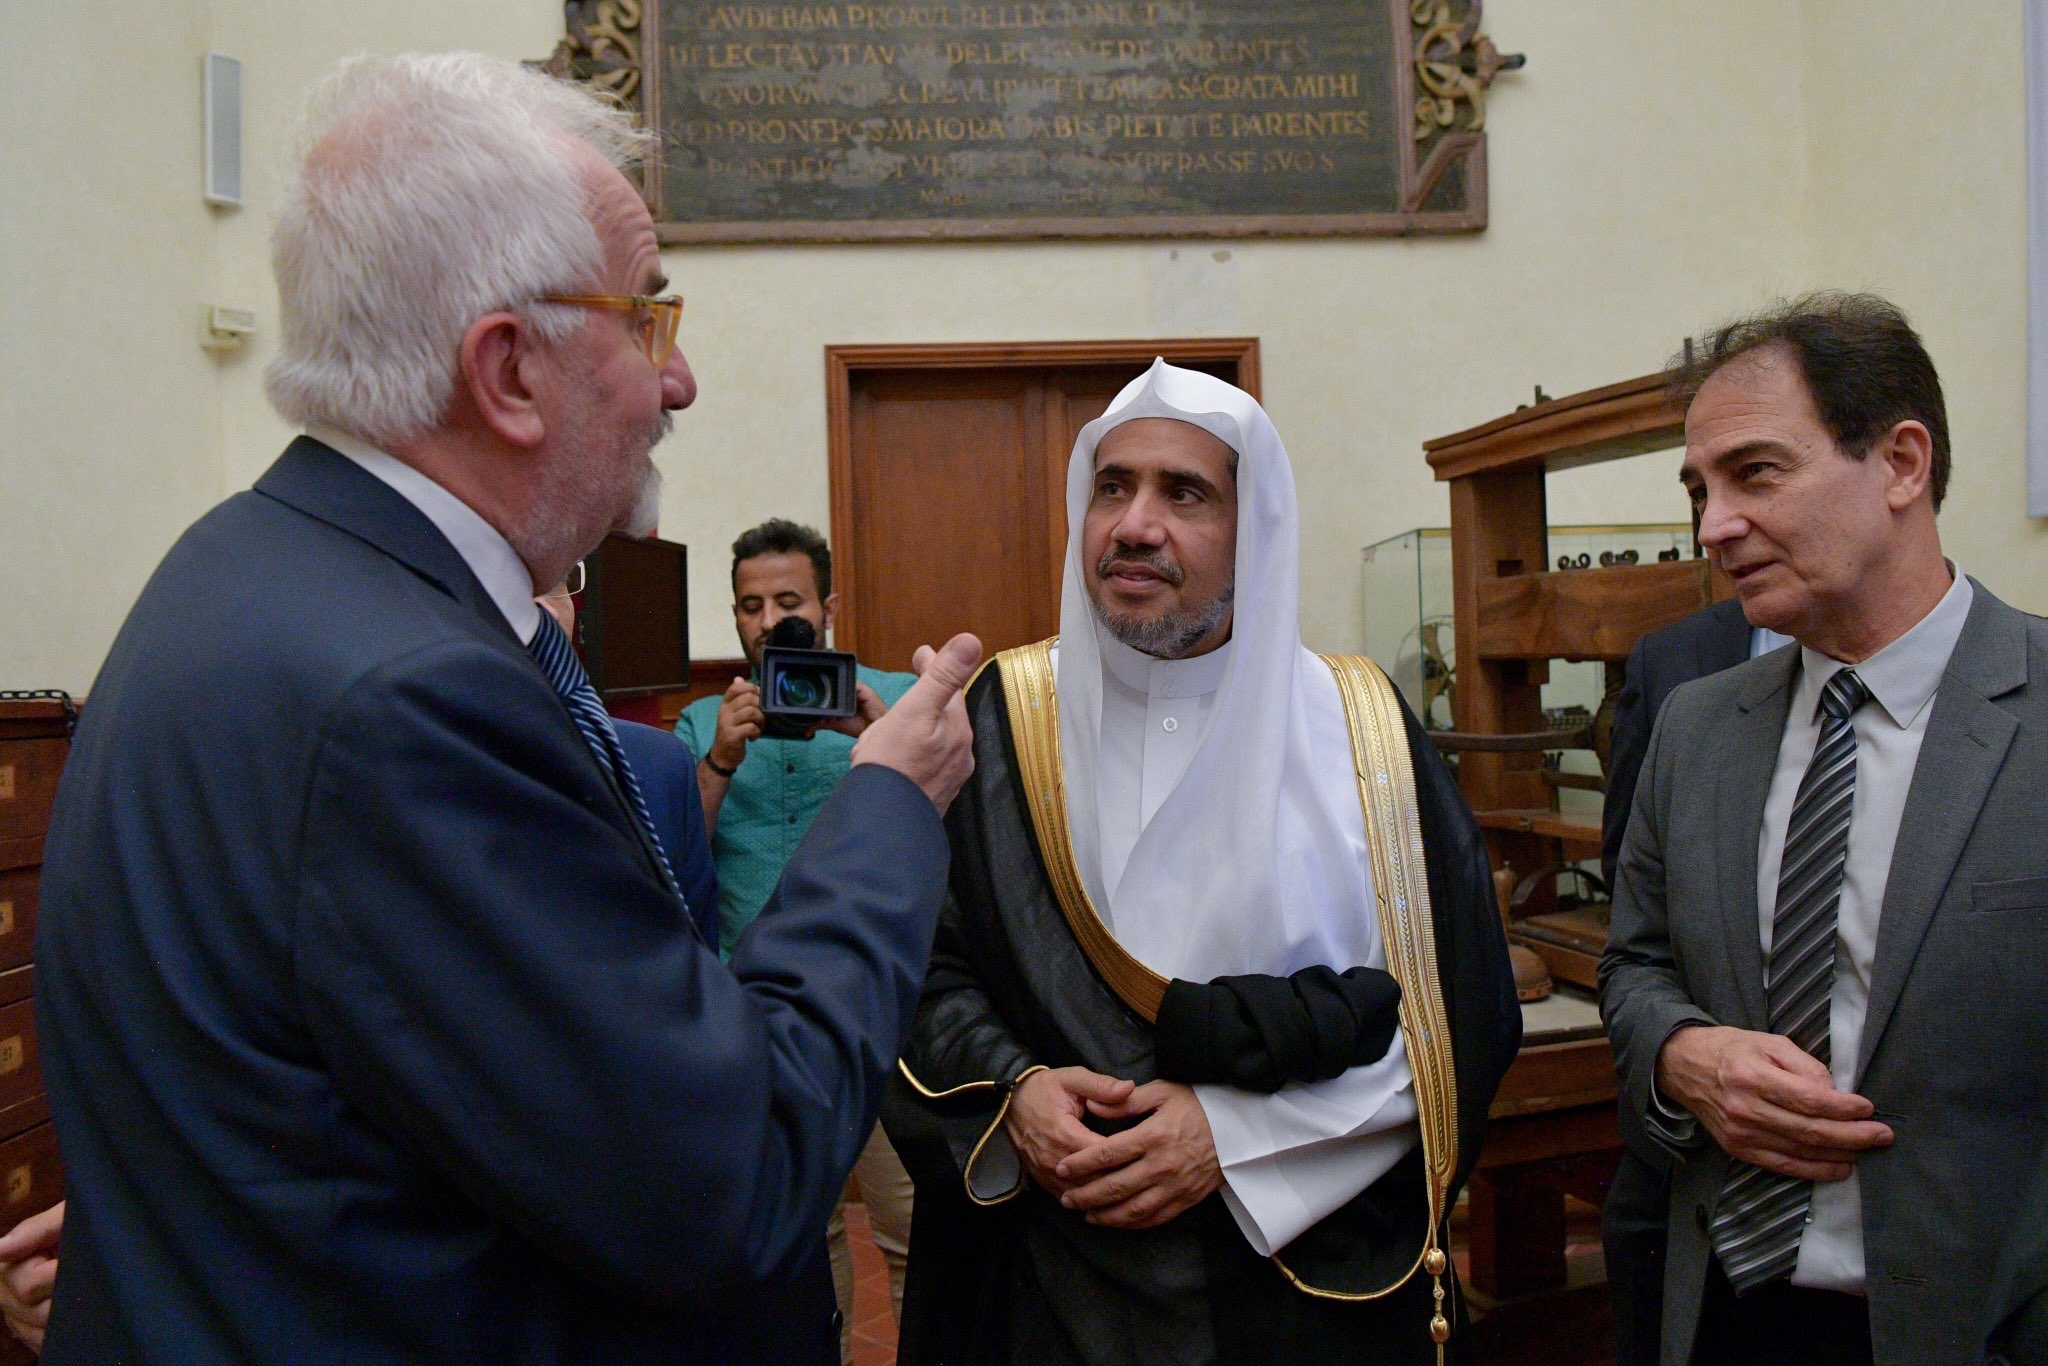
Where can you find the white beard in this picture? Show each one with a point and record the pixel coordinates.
(644, 516)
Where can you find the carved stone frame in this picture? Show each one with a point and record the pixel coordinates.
(1442, 66)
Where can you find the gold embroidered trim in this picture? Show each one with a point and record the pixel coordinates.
(967, 1172)
(1393, 829)
(929, 1094)
(1035, 726)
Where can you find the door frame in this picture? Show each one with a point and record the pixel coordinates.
(843, 363)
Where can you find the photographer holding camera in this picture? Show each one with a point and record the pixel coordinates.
(765, 772)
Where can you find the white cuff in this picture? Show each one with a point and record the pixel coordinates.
(1278, 1196)
(1675, 1124)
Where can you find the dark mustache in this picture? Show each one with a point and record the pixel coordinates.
(1149, 559)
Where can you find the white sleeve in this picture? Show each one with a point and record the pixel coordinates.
(1293, 1158)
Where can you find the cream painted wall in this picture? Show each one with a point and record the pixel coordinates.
(1919, 193)
(1655, 167)
(108, 409)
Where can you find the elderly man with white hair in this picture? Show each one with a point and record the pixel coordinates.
(1212, 1028)
(375, 1023)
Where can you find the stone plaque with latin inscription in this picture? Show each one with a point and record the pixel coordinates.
(1049, 118)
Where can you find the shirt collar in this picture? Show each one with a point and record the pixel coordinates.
(1903, 675)
(1763, 640)
(1153, 677)
(489, 555)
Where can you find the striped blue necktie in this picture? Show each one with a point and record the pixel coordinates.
(1762, 1215)
(550, 649)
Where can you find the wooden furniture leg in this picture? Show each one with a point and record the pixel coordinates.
(1517, 1231)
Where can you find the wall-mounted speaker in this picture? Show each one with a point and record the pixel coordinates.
(223, 96)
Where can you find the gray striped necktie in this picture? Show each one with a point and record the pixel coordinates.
(1761, 1216)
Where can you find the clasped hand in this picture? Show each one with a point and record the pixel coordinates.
(1767, 1102)
(1139, 1178)
(28, 1273)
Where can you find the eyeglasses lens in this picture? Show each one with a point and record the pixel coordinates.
(664, 317)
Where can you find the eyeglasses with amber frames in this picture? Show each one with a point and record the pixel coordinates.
(656, 325)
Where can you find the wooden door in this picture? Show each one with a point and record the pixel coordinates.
(949, 481)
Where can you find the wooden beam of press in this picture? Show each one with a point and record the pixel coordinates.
(1610, 423)
(1521, 742)
(1585, 613)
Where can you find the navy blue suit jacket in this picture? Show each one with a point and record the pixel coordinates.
(371, 1032)
(667, 773)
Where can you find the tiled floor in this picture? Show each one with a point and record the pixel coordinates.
(1568, 1327)
(874, 1322)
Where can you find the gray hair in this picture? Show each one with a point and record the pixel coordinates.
(433, 189)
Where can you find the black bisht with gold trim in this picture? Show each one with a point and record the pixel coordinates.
(999, 1272)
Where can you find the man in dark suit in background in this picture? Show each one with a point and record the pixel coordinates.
(666, 770)
(375, 1024)
(1823, 981)
(1632, 1220)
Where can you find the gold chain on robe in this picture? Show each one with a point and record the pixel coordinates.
(1393, 835)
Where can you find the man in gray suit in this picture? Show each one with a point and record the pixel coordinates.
(1824, 977)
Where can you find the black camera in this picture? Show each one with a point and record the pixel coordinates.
(802, 685)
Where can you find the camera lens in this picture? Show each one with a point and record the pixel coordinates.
(808, 688)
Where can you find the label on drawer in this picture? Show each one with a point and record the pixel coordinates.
(6, 918)
(11, 1054)
(6, 782)
(20, 1180)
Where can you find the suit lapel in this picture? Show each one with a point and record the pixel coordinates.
(1748, 755)
(1967, 737)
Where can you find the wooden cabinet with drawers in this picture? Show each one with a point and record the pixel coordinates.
(33, 743)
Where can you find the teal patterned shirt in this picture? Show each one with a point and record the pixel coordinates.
(774, 796)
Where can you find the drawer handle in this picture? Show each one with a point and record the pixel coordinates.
(6, 782)
(6, 918)
(11, 1054)
(19, 1181)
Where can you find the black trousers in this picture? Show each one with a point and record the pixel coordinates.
(1633, 1232)
(1780, 1324)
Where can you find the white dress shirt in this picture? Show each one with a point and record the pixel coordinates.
(489, 555)
(1902, 678)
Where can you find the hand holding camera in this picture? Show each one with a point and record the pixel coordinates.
(804, 687)
(868, 709)
(739, 721)
(802, 690)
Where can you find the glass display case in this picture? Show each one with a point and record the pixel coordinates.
(1408, 618)
(1408, 625)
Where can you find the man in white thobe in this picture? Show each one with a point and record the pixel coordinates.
(1161, 1089)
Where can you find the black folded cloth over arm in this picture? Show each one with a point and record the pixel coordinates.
(1260, 1033)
